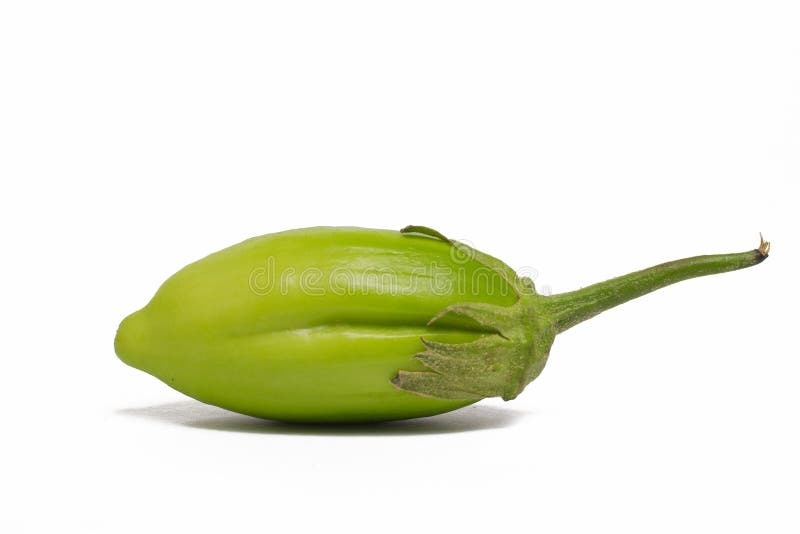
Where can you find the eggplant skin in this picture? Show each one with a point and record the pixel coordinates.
(309, 325)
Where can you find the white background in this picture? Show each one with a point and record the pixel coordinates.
(581, 139)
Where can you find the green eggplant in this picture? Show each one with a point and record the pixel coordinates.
(335, 325)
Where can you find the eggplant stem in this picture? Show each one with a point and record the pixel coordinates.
(568, 309)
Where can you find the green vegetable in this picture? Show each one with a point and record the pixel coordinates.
(351, 324)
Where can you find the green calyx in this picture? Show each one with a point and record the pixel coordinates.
(500, 364)
(503, 363)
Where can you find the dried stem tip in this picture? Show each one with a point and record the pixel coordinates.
(763, 248)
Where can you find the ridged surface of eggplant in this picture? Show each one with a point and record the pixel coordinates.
(319, 350)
